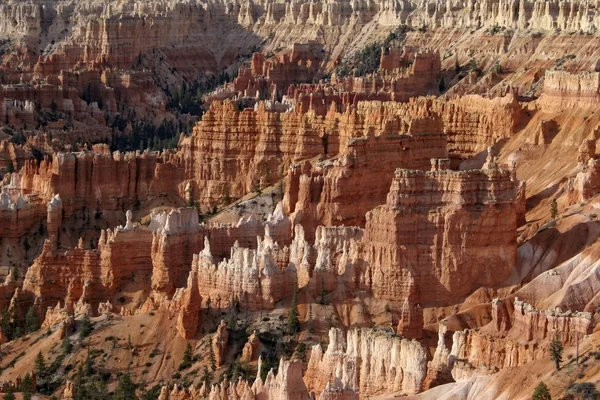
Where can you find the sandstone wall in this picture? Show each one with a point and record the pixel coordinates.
(472, 123)
(586, 184)
(368, 362)
(177, 236)
(129, 257)
(517, 334)
(253, 277)
(99, 181)
(270, 78)
(373, 140)
(123, 257)
(18, 218)
(394, 81)
(562, 89)
(447, 232)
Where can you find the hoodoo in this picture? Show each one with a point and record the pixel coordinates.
(290, 200)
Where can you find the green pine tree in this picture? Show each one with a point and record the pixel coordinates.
(40, 366)
(88, 366)
(310, 319)
(234, 371)
(293, 322)
(208, 302)
(16, 328)
(9, 394)
(211, 357)
(86, 326)
(152, 393)
(187, 358)
(541, 392)
(78, 383)
(31, 322)
(125, 388)
(323, 293)
(27, 387)
(95, 389)
(207, 377)
(5, 324)
(232, 319)
(556, 350)
(67, 346)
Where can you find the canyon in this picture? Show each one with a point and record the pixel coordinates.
(334, 200)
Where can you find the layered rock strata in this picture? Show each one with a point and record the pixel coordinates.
(127, 255)
(326, 191)
(270, 78)
(563, 89)
(99, 181)
(441, 235)
(18, 216)
(510, 339)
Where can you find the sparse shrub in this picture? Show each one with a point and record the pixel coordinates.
(584, 390)
(86, 326)
(154, 353)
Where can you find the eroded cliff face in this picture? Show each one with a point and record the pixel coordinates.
(564, 89)
(233, 152)
(285, 383)
(18, 216)
(98, 180)
(129, 258)
(123, 257)
(368, 363)
(473, 123)
(251, 277)
(480, 202)
(325, 192)
(122, 30)
(236, 152)
(403, 73)
(585, 185)
(271, 78)
(177, 235)
(517, 334)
